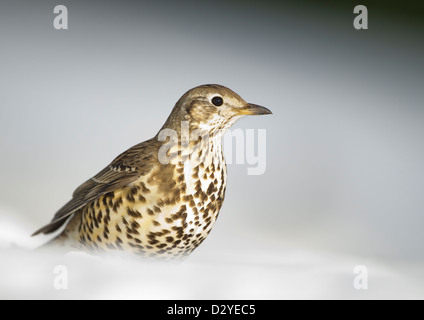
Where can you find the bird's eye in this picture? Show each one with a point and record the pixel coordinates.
(217, 101)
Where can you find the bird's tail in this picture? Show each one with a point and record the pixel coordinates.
(67, 238)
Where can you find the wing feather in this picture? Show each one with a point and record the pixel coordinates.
(124, 170)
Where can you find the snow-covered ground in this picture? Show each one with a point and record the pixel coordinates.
(265, 272)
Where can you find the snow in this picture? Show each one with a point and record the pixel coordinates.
(264, 272)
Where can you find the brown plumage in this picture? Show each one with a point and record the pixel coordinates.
(161, 197)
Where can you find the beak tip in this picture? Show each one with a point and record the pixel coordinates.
(258, 110)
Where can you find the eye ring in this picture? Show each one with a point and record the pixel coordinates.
(217, 101)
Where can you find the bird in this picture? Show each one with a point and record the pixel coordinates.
(160, 198)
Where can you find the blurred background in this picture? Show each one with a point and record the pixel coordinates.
(344, 180)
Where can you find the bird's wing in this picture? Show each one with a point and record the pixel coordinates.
(125, 169)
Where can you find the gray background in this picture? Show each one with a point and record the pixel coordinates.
(344, 146)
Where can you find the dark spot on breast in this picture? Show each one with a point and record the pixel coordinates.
(118, 228)
(198, 185)
(143, 188)
(210, 189)
(96, 224)
(132, 231)
(134, 189)
(130, 197)
(213, 207)
(156, 223)
(141, 198)
(106, 218)
(207, 225)
(150, 212)
(180, 170)
(151, 236)
(134, 213)
(205, 215)
(204, 196)
(117, 204)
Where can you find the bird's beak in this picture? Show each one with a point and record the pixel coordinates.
(253, 109)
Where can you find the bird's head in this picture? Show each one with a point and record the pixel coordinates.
(213, 108)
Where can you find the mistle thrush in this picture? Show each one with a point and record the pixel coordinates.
(161, 197)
